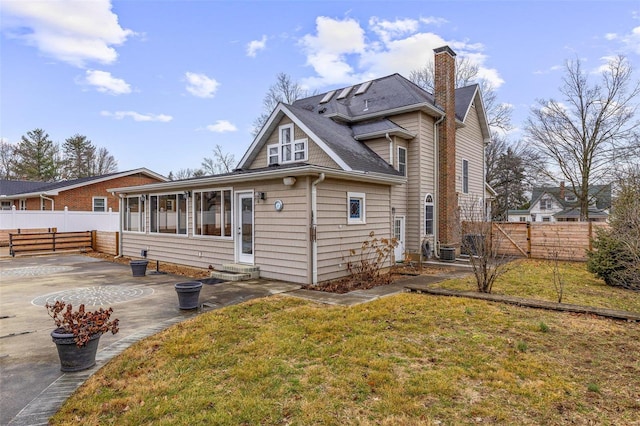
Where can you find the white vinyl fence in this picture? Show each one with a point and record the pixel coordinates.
(64, 221)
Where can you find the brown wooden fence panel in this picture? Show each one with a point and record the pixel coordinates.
(566, 240)
(50, 241)
(4, 233)
(511, 238)
(107, 242)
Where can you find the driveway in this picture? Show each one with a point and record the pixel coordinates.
(28, 358)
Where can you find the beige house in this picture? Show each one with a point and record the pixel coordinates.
(382, 156)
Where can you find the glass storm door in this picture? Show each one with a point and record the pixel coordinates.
(244, 228)
(398, 234)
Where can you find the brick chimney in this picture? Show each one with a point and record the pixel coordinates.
(562, 191)
(444, 92)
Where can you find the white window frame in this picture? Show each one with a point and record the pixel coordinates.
(465, 176)
(363, 208)
(174, 209)
(428, 203)
(545, 204)
(402, 164)
(546, 218)
(23, 204)
(93, 204)
(298, 148)
(142, 219)
(197, 210)
(6, 205)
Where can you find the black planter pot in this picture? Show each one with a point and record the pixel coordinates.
(139, 267)
(72, 357)
(188, 294)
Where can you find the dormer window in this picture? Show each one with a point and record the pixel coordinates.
(545, 204)
(571, 198)
(288, 149)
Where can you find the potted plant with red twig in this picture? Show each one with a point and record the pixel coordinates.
(78, 333)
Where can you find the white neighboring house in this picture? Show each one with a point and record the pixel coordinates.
(558, 204)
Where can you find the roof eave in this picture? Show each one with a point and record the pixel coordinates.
(361, 176)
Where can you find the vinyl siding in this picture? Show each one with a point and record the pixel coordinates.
(315, 154)
(335, 237)
(470, 147)
(281, 247)
(420, 175)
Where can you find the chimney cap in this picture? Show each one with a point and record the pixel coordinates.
(446, 49)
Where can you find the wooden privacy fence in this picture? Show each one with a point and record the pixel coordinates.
(564, 240)
(107, 242)
(51, 241)
(4, 233)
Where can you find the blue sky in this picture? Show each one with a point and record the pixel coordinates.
(161, 83)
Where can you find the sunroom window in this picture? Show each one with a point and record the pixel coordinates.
(168, 214)
(134, 217)
(212, 211)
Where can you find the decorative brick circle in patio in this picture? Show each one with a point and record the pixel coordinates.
(32, 271)
(95, 296)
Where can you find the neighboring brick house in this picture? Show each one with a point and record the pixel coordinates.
(83, 194)
(560, 204)
(383, 157)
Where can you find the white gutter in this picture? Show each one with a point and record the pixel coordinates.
(436, 172)
(48, 199)
(314, 223)
(390, 148)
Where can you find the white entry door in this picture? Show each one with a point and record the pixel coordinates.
(398, 234)
(244, 227)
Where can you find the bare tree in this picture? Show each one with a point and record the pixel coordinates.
(186, 174)
(467, 73)
(103, 162)
(221, 162)
(7, 160)
(284, 90)
(591, 129)
(482, 246)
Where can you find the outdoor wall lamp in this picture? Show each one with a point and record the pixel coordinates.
(260, 196)
(289, 180)
(187, 194)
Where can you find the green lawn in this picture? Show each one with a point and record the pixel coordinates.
(403, 360)
(534, 279)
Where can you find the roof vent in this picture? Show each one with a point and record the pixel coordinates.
(363, 87)
(327, 97)
(345, 92)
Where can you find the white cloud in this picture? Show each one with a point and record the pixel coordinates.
(632, 40)
(72, 31)
(389, 30)
(432, 20)
(200, 85)
(327, 49)
(254, 46)
(106, 83)
(343, 52)
(222, 126)
(119, 115)
(611, 36)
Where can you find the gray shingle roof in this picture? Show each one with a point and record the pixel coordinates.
(602, 194)
(340, 139)
(12, 187)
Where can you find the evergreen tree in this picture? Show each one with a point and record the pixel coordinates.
(37, 157)
(79, 154)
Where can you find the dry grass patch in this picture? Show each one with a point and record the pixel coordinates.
(402, 360)
(534, 279)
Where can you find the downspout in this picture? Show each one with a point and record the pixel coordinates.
(386, 135)
(314, 223)
(436, 193)
(48, 199)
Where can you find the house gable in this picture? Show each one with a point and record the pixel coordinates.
(315, 154)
